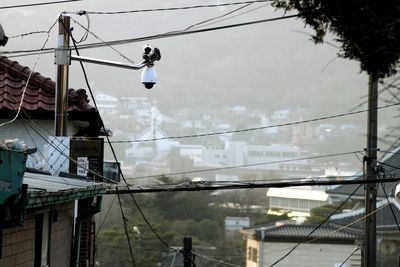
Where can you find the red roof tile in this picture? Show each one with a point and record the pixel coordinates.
(39, 95)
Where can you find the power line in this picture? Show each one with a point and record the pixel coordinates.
(334, 231)
(39, 4)
(191, 187)
(125, 221)
(246, 165)
(254, 128)
(348, 257)
(82, 12)
(317, 227)
(112, 149)
(151, 37)
(29, 78)
(219, 262)
(387, 198)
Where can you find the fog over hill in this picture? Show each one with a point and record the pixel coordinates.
(267, 66)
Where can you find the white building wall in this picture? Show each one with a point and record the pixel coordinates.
(306, 255)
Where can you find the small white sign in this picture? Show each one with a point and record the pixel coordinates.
(82, 166)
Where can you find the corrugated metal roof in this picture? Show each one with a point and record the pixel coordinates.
(47, 190)
(48, 183)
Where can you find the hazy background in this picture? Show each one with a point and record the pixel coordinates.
(267, 66)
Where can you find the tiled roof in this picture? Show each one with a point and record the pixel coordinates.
(39, 98)
(302, 231)
(295, 232)
(391, 166)
(385, 218)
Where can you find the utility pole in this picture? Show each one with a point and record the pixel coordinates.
(187, 252)
(369, 253)
(62, 59)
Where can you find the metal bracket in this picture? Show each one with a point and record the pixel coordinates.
(62, 56)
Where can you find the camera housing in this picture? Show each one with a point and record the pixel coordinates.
(149, 77)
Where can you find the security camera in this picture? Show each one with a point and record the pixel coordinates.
(3, 37)
(150, 55)
(147, 49)
(156, 55)
(149, 77)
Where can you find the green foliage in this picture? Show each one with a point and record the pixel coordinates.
(369, 31)
(318, 214)
(174, 215)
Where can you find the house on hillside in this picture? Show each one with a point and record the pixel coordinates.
(38, 224)
(389, 166)
(294, 201)
(326, 247)
(49, 199)
(107, 104)
(36, 116)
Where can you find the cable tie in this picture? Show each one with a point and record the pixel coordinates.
(81, 13)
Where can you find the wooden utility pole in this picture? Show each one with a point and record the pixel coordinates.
(369, 253)
(62, 59)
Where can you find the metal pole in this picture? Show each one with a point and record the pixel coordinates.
(62, 61)
(187, 251)
(370, 189)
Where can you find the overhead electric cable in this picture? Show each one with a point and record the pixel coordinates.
(234, 16)
(82, 12)
(317, 227)
(215, 261)
(100, 39)
(387, 198)
(254, 128)
(151, 37)
(201, 23)
(332, 232)
(26, 34)
(348, 257)
(59, 150)
(112, 149)
(29, 78)
(201, 187)
(125, 221)
(246, 165)
(39, 4)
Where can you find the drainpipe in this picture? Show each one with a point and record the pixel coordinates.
(261, 252)
(78, 221)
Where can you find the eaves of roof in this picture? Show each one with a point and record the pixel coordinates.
(39, 98)
(46, 190)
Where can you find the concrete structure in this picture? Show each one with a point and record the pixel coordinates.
(41, 233)
(298, 202)
(324, 248)
(236, 223)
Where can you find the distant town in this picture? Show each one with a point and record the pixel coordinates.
(278, 146)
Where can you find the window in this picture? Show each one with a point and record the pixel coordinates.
(42, 235)
(252, 254)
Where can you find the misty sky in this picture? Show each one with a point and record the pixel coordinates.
(272, 65)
